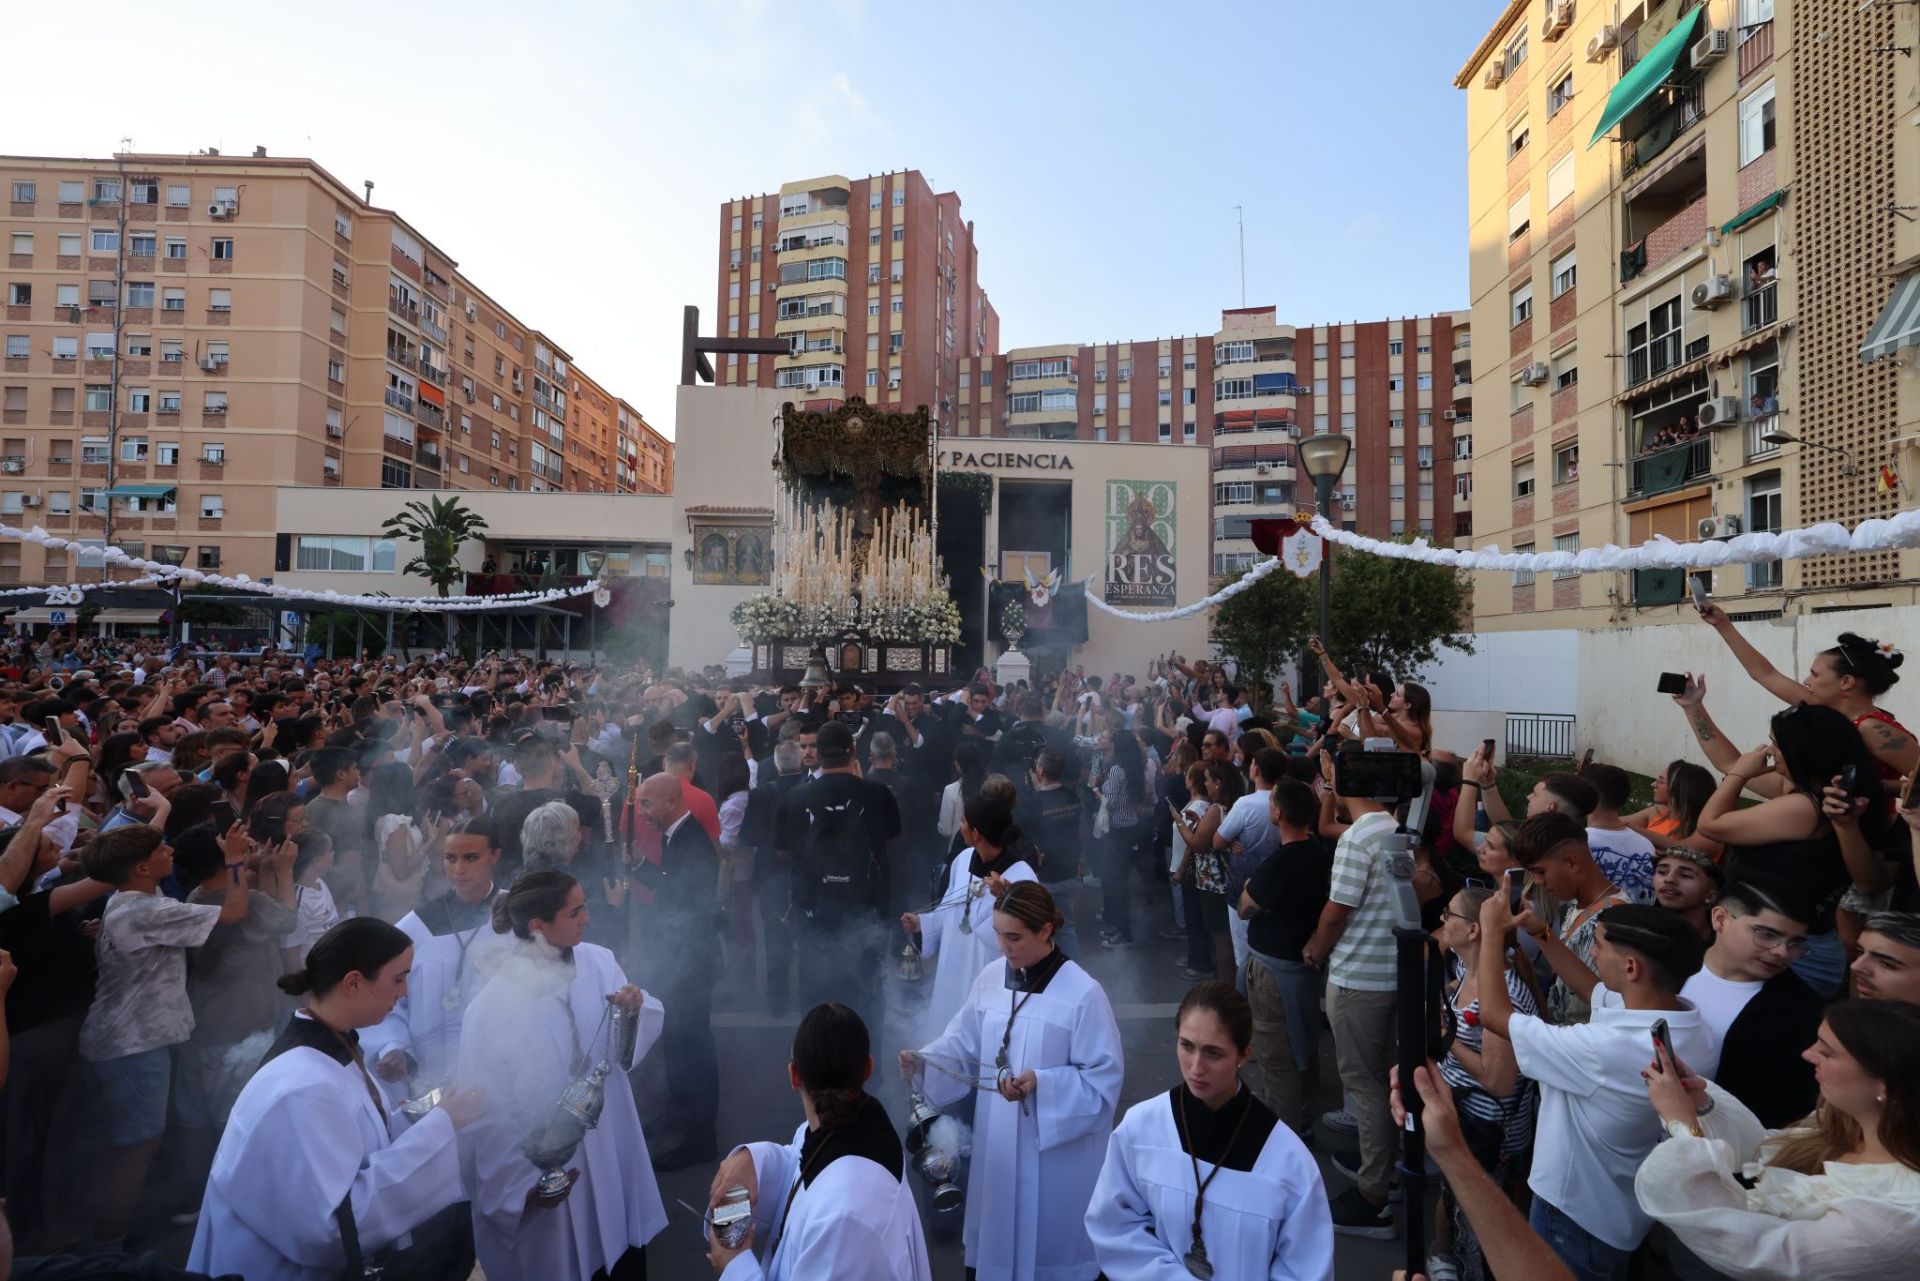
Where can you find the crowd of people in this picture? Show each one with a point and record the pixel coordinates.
(336, 961)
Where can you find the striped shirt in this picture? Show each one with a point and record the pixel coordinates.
(1514, 1113)
(1363, 959)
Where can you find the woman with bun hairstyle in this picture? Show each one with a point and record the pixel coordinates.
(1036, 1044)
(541, 1022)
(833, 1204)
(312, 1171)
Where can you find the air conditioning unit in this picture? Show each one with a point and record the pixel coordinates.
(1073, 378)
(1603, 44)
(733, 266)
(1720, 411)
(1263, 469)
(473, 312)
(1719, 526)
(1710, 48)
(1711, 292)
(336, 431)
(31, 500)
(1536, 374)
(12, 466)
(1559, 18)
(1496, 70)
(893, 384)
(220, 209)
(1449, 415)
(1426, 464)
(209, 364)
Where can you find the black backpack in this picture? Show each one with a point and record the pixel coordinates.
(837, 878)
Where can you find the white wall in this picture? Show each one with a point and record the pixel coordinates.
(1507, 672)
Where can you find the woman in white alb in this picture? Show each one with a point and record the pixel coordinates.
(1037, 1037)
(1204, 1180)
(1836, 1196)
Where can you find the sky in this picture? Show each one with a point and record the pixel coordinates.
(571, 156)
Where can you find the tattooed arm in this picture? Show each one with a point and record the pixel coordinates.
(1721, 752)
(1890, 745)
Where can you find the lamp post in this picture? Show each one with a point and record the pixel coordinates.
(172, 555)
(596, 562)
(1787, 438)
(1323, 458)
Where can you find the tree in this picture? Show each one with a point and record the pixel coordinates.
(439, 527)
(1388, 615)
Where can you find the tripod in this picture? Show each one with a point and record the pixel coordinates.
(1423, 1026)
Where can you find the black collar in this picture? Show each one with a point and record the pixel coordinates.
(1035, 977)
(977, 867)
(1208, 1131)
(449, 914)
(870, 1135)
(305, 1030)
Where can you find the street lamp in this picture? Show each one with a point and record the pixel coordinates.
(173, 555)
(1778, 437)
(596, 562)
(1323, 458)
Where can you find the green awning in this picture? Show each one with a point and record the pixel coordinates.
(1899, 323)
(1752, 211)
(1648, 74)
(142, 491)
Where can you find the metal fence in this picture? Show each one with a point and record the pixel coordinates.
(1539, 734)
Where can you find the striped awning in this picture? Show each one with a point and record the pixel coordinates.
(1899, 323)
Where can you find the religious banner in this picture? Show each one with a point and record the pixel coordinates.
(1302, 550)
(736, 555)
(1140, 542)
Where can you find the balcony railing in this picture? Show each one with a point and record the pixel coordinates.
(1757, 427)
(1760, 308)
(433, 331)
(1656, 358)
(400, 401)
(1669, 469)
(401, 358)
(1684, 112)
(1253, 456)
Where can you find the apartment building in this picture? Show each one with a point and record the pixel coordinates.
(875, 283)
(186, 334)
(1687, 256)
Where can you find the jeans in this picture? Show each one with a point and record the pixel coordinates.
(1116, 880)
(1586, 1256)
(1067, 936)
(1285, 996)
(1363, 1042)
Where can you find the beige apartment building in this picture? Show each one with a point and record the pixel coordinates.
(186, 334)
(1687, 257)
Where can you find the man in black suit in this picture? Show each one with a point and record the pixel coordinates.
(772, 871)
(682, 963)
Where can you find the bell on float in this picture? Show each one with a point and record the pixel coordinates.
(816, 675)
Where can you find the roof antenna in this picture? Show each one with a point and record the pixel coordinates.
(1239, 216)
(369, 185)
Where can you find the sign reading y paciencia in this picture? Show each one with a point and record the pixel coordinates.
(1140, 542)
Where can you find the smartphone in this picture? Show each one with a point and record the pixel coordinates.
(1486, 748)
(559, 712)
(54, 736)
(1849, 775)
(1516, 889)
(1698, 586)
(1671, 683)
(131, 788)
(1664, 1039)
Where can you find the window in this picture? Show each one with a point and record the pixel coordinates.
(16, 399)
(1395, 347)
(210, 557)
(1187, 395)
(20, 294)
(1523, 577)
(169, 402)
(1346, 387)
(1126, 400)
(899, 306)
(179, 196)
(1423, 382)
(1520, 305)
(344, 553)
(337, 373)
(1517, 52)
(167, 453)
(1655, 347)
(223, 248)
(1763, 384)
(1424, 418)
(1566, 464)
(1756, 124)
(60, 502)
(173, 300)
(93, 449)
(1560, 94)
(1166, 367)
(139, 400)
(1517, 224)
(99, 398)
(64, 295)
(1566, 543)
(177, 247)
(1517, 139)
(1423, 456)
(103, 240)
(899, 234)
(899, 198)
(1763, 515)
(22, 244)
(1463, 486)
(26, 192)
(18, 346)
(212, 507)
(72, 193)
(140, 293)
(106, 189)
(219, 300)
(143, 244)
(1319, 351)
(69, 246)
(216, 403)
(217, 353)
(215, 454)
(1166, 397)
(66, 347)
(1346, 349)
(1523, 479)
(1753, 15)
(1566, 375)
(1565, 275)
(133, 449)
(1166, 431)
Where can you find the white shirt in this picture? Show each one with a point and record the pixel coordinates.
(1596, 1125)
(1719, 1002)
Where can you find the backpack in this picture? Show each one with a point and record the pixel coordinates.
(836, 877)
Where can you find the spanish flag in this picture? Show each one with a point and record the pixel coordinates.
(1888, 480)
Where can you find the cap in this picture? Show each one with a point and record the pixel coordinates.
(834, 745)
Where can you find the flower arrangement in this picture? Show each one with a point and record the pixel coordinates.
(1013, 622)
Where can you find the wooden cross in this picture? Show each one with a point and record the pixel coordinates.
(694, 350)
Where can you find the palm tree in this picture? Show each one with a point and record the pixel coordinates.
(440, 526)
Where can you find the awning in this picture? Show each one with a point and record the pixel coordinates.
(1899, 323)
(1753, 211)
(129, 616)
(1648, 74)
(432, 394)
(142, 491)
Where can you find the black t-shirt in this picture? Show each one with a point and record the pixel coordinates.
(1291, 888)
(877, 804)
(54, 958)
(1051, 820)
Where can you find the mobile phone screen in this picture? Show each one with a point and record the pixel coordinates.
(1698, 586)
(1671, 683)
(1663, 1038)
(54, 736)
(1516, 889)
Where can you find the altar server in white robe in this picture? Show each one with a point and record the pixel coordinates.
(958, 933)
(309, 1136)
(1203, 1181)
(833, 1204)
(1039, 1030)
(455, 948)
(537, 1025)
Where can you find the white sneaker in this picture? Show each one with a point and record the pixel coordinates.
(1340, 1119)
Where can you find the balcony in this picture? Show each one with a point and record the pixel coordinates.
(1277, 458)
(427, 456)
(401, 358)
(1760, 308)
(400, 401)
(1656, 358)
(1684, 108)
(1669, 469)
(433, 374)
(1234, 422)
(407, 311)
(433, 331)
(1758, 427)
